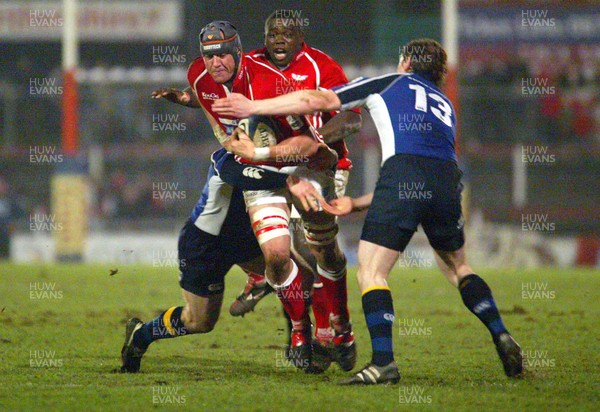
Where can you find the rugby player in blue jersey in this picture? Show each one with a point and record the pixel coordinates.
(419, 183)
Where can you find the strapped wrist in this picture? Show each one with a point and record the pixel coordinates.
(261, 153)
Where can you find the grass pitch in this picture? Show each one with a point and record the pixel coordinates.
(62, 326)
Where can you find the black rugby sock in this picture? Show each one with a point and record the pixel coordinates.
(477, 297)
(167, 325)
(379, 314)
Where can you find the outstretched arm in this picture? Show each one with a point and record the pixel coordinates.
(346, 205)
(299, 102)
(183, 97)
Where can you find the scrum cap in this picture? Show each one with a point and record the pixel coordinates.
(220, 37)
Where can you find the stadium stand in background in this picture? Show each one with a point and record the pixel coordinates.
(136, 145)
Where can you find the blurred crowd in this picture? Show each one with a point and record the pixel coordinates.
(494, 108)
(563, 80)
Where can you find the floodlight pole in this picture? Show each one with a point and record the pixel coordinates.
(70, 61)
(450, 43)
(69, 186)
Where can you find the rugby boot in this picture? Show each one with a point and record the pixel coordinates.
(374, 375)
(131, 355)
(254, 291)
(321, 357)
(510, 354)
(345, 350)
(300, 351)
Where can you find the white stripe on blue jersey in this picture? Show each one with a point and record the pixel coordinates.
(411, 113)
(212, 207)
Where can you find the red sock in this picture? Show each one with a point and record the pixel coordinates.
(320, 308)
(294, 298)
(336, 294)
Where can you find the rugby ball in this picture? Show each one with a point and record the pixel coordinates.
(263, 130)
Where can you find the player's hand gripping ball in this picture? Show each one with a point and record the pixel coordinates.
(262, 130)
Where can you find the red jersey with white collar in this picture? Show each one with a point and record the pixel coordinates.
(311, 69)
(256, 81)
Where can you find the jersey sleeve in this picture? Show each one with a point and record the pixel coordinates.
(245, 176)
(355, 94)
(332, 75)
(194, 70)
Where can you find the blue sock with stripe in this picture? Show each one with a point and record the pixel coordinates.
(379, 314)
(166, 325)
(477, 297)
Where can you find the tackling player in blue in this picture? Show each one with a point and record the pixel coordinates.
(416, 124)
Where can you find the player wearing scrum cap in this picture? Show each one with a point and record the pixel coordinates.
(218, 234)
(322, 228)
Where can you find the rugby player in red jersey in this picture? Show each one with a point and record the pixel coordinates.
(217, 235)
(331, 300)
(305, 67)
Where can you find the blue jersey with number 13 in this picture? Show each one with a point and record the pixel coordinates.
(411, 114)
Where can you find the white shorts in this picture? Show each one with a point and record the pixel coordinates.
(322, 180)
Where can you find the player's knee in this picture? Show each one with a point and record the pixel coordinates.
(199, 326)
(278, 261)
(198, 321)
